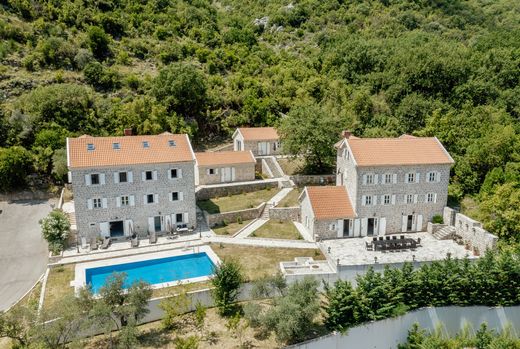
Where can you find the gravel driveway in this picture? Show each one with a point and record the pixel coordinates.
(23, 252)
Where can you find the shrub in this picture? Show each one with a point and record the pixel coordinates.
(227, 279)
(15, 163)
(437, 219)
(98, 41)
(101, 77)
(55, 229)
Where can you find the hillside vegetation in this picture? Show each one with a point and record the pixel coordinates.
(448, 68)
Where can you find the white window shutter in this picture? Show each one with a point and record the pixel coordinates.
(438, 177)
(363, 200)
(415, 198)
(171, 196)
(143, 176)
(170, 173)
(104, 202)
(154, 175)
(144, 199)
(394, 178)
(132, 200)
(375, 179)
(185, 217)
(374, 199)
(179, 172)
(382, 199)
(207, 171)
(155, 198)
(364, 179)
(435, 198)
(216, 171)
(417, 177)
(102, 178)
(181, 196)
(130, 176)
(118, 201)
(393, 199)
(116, 177)
(90, 205)
(87, 180)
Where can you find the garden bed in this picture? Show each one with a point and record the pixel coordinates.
(275, 229)
(237, 202)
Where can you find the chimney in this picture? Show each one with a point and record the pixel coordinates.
(128, 131)
(346, 134)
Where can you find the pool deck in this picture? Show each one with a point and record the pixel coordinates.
(80, 269)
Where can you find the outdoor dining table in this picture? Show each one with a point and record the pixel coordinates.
(393, 244)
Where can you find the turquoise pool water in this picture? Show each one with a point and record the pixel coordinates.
(153, 271)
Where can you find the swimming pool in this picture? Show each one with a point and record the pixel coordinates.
(159, 272)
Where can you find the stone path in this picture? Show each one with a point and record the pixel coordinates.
(279, 196)
(262, 242)
(303, 231)
(250, 228)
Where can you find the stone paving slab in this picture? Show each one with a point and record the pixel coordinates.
(263, 242)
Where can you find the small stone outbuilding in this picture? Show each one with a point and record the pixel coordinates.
(224, 167)
(262, 141)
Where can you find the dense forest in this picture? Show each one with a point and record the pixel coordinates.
(445, 68)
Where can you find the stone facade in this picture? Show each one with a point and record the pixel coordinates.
(215, 174)
(284, 213)
(206, 193)
(135, 216)
(258, 147)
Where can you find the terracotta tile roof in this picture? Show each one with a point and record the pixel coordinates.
(132, 150)
(258, 133)
(224, 158)
(405, 150)
(330, 202)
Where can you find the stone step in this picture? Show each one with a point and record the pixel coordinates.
(444, 233)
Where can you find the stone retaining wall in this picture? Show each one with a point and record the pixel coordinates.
(232, 216)
(285, 213)
(27, 195)
(207, 193)
(314, 179)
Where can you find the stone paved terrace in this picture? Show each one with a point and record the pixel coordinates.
(353, 251)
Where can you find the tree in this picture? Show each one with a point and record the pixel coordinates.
(227, 279)
(59, 164)
(15, 163)
(55, 229)
(101, 78)
(18, 323)
(173, 307)
(344, 306)
(499, 211)
(98, 41)
(310, 132)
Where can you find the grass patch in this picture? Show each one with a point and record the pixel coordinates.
(170, 291)
(231, 228)
(237, 202)
(58, 284)
(291, 199)
(292, 166)
(275, 229)
(260, 261)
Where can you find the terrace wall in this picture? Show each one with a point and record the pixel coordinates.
(285, 213)
(210, 192)
(232, 216)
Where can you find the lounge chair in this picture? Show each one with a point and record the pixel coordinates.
(134, 241)
(153, 237)
(84, 244)
(181, 228)
(369, 246)
(418, 241)
(93, 244)
(106, 243)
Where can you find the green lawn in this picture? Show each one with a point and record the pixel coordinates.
(231, 228)
(58, 284)
(291, 166)
(291, 199)
(277, 230)
(237, 202)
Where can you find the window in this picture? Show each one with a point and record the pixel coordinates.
(409, 199)
(386, 200)
(430, 197)
(368, 200)
(123, 177)
(148, 175)
(94, 179)
(179, 218)
(96, 203)
(171, 143)
(388, 178)
(175, 196)
(432, 177)
(90, 147)
(116, 146)
(146, 144)
(150, 199)
(410, 177)
(125, 200)
(211, 171)
(370, 179)
(332, 226)
(173, 173)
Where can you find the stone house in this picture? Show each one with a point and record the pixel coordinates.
(261, 141)
(132, 184)
(224, 167)
(326, 211)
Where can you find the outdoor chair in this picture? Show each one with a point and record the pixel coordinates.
(369, 246)
(374, 239)
(394, 237)
(84, 244)
(134, 241)
(418, 241)
(387, 238)
(381, 238)
(153, 237)
(402, 237)
(105, 243)
(93, 244)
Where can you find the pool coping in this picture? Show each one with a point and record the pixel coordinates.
(79, 281)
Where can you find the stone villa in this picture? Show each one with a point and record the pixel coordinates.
(132, 184)
(390, 185)
(261, 141)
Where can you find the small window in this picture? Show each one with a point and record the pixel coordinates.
(116, 146)
(332, 227)
(94, 179)
(175, 196)
(96, 203)
(370, 179)
(409, 199)
(211, 171)
(386, 200)
(432, 177)
(123, 177)
(410, 178)
(90, 147)
(171, 143)
(179, 218)
(125, 201)
(149, 199)
(388, 178)
(146, 144)
(430, 197)
(368, 200)
(173, 173)
(148, 175)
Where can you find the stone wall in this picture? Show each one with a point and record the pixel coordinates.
(285, 213)
(474, 236)
(232, 216)
(27, 195)
(206, 193)
(301, 180)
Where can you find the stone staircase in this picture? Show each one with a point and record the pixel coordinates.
(274, 167)
(265, 212)
(445, 233)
